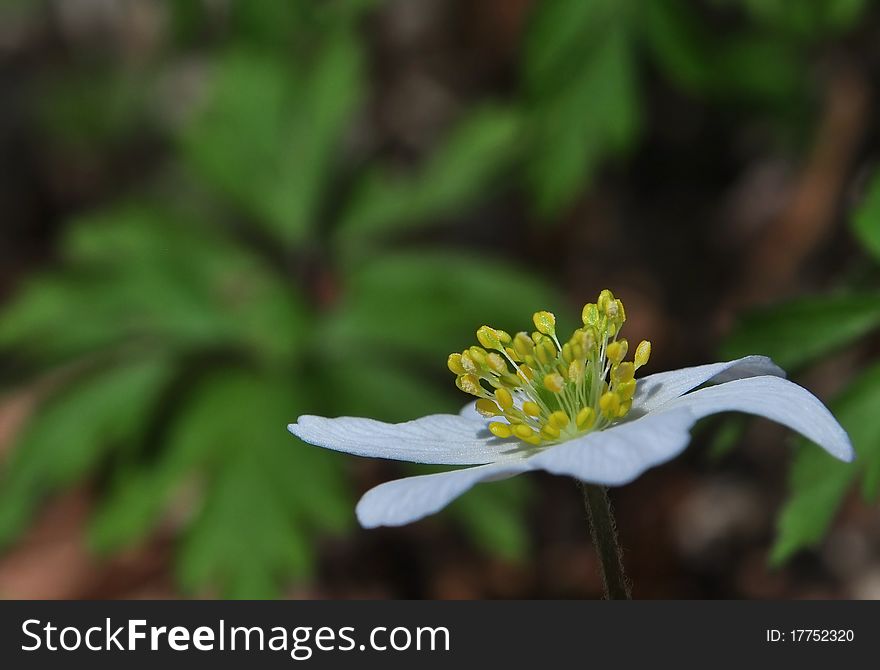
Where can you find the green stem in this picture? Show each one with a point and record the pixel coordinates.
(604, 533)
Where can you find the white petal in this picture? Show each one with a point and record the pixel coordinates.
(654, 391)
(619, 454)
(445, 439)
(406, 500)
(778, 399)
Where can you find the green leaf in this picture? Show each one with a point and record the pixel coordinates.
(752, 66)
(380, 387)
(728, 434)
(144, 274)
(492, 516)
(428, 304)
(88, 108)
(269, 134)
(266, 496)
(866, 220)
(455, 175)
(818, 482)
(267, 22)
(70, 434)
(807, 19)
(582, 95)
(801, 331)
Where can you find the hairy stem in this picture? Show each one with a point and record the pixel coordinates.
(604, 533)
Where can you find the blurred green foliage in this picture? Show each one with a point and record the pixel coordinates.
(258, 271)
(800, 334)
(179, 334)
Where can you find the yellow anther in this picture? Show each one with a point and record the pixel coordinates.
(487, 408)
(585, 418)
(547, 389)
(478, 355)
(590, 314)
(623, 372)
(545, 322)
(544, 355)
(505, 400)
(549, 348)
(470, 384)
(523, 344)
(576, 371)
(609, 403)
(488, 337)
(501, 430)
(496, 363)
(591, 337)
(559, 419)
(531, 408)
(643, 353)
(467, 362)
(578, 344)
(511, 379)
(626, 390)
(616, 351)
(454, 364)
(554, 382)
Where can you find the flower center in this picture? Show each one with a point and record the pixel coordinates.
(550, 392)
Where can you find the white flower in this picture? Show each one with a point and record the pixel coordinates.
(578, 424)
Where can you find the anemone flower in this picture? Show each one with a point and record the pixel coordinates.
(572, 408)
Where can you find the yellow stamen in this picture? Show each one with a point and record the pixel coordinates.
(523, 345)
(467, 362)
(549, 390)
(616, 351)
(522, 431)
(626, 390)
(470, 384)
(499, 429)
(559, 419)
(585, 418)
(487, 408)
(454, 364)
(531, 408)
(488, 337)
(545, 322)
(609, 403)
(505, 400)
(496, 363)
(554, 382)
(643, 353)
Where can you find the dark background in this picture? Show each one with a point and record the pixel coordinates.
(219, 215)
